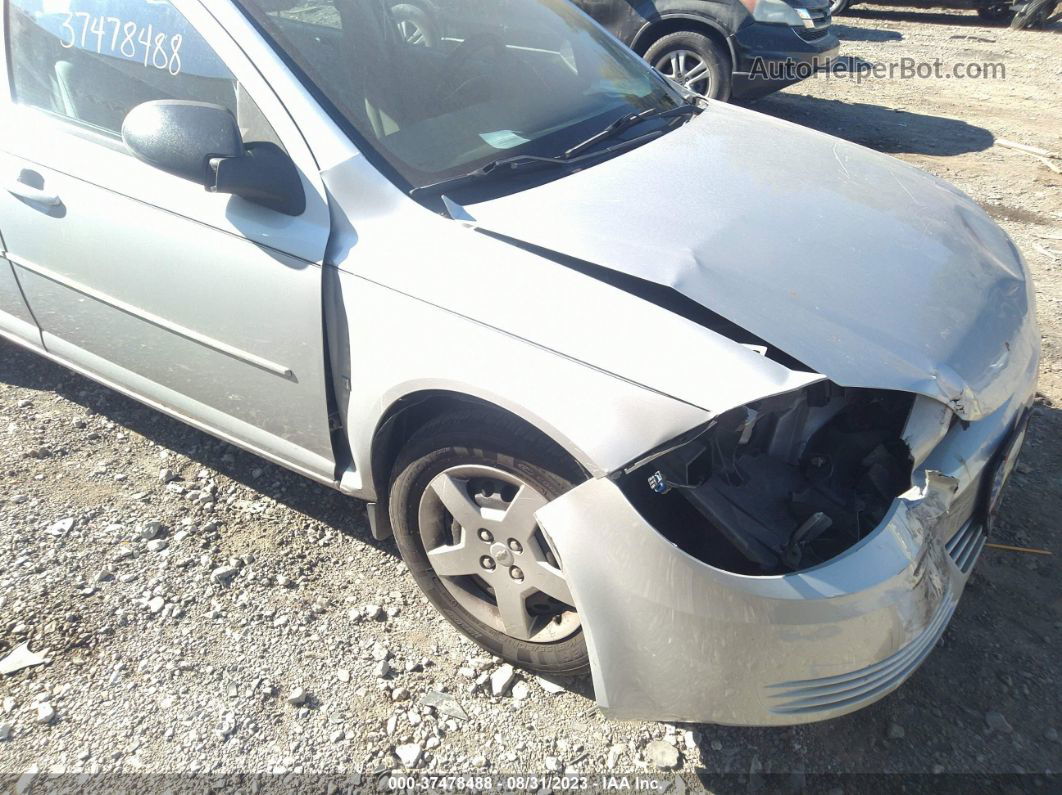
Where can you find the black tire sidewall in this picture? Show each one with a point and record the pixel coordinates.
(718, 61)
(425, 457)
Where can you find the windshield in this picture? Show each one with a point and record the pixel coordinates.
(442, 87)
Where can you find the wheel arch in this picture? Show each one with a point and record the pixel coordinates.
(656, 29)
(411, 412)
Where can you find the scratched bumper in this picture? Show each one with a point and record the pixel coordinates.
(672, 638)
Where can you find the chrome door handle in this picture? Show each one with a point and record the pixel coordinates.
(29, 193)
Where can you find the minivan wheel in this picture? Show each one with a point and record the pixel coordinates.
(463, 496)
(414, 25)
(838, 7)
(693, 60)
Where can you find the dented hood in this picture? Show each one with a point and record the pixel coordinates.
(871, 272)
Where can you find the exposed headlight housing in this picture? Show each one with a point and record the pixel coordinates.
(783, 483)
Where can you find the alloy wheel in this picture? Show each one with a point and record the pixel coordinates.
(412, 33)
(687, 68)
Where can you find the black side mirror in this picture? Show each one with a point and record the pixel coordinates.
(201, 142)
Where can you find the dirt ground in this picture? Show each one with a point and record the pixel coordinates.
(158, 665)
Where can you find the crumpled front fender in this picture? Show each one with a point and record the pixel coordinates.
(673, 638)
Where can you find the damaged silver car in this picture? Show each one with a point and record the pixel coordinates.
(632, 393)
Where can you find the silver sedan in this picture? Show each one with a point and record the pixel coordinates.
(712, 406)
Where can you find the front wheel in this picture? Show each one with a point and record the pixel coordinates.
(463, 498)
(694, 61)
(838, 7)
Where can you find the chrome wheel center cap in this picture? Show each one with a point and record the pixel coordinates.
(501, 554)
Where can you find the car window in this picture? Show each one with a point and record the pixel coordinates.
(93, 61)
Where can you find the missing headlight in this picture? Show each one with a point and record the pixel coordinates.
(783, 483)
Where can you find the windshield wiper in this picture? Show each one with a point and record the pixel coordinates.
(628, 121)
(573, 157)
(495, 168)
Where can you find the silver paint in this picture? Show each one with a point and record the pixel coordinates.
(742, 643)
(871, 271)
(15, 317)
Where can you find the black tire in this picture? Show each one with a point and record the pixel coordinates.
(838, 7)
(503, 443)
(414, 24)
(713, 56)
(1001, 12)
(1033, 15)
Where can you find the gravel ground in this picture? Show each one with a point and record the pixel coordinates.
(201, 610)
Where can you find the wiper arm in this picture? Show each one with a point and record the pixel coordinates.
(628, 121)
(569, 159)
(495, 168)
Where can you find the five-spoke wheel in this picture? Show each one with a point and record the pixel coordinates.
(463, 503)
(478, 526)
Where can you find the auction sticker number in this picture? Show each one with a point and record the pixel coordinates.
(129, 39)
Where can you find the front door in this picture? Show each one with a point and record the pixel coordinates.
(15, 318)
(204, 304)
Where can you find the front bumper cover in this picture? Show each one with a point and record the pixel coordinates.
(784, 50)
(672, 638)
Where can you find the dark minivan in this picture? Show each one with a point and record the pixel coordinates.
(723, 48)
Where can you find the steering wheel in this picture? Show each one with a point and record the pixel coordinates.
(457, 61)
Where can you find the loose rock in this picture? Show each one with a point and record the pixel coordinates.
(409, 754)
(45, 713)
(445, 703)
(662, 755)
(151, 530)
(501, 679)
(380, 652)
(61, 528)
(223, 575)
(297, 696)
(550, 687)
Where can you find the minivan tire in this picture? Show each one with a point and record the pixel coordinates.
(499, 442)
(660, 54)
(1033, 15)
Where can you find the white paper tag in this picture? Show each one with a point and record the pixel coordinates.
(503, 139)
